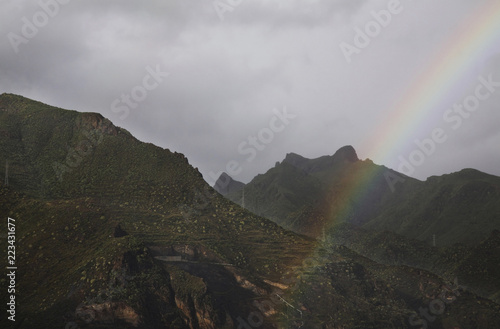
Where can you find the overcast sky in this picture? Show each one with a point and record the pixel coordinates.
(203, 76)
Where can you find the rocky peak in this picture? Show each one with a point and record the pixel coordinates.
(295, 159)
(226, 184)
(346, 153)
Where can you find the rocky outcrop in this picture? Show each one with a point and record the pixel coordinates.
(95, 121)
(108, 313)
(346, 153)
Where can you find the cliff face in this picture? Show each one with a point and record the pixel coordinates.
(141, 294)
(95, 121)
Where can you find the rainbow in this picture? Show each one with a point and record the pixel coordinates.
(449, 72)
(452, 69)
(435, 89)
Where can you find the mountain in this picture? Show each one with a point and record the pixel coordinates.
(447, 225)
(111, 232)
(226, 185)
(75, 179)
(346, 154)
(299, 194)
(462, 207)
(305, 195)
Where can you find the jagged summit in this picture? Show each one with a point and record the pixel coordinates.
(343, 155)
(226, 184)
(346, 153)
(295, 160)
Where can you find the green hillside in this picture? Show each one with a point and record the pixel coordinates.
(67, 219)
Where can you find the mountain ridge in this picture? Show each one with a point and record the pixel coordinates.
(298, 188)
(66, 231)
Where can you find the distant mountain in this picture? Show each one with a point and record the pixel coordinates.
(112, 232)
(226, 185)
(305, 195)
(299, 194)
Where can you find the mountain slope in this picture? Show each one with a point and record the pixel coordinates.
(459, 213)
(305, 195)
(460, 207)
(68, 219)
(115, 233)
